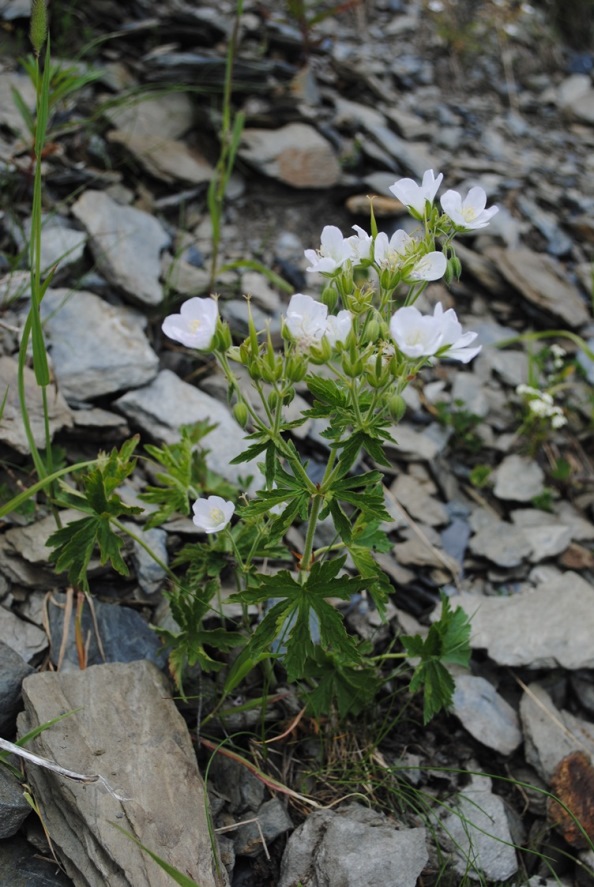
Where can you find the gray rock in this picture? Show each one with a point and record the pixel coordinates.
(420, 500)
(12, 430)
(295, 154)
(478, 834)
(61, 244)
(272, 821)
(576, 97)
(354, 847)
(518, 479)
(184, 278)
(415, 157)
(548, 627)
(13, 669)
(418, 445)
(168, 402)
(551, 734)
(166, 159)
(469, 389)
(14, 809)
(125, 727)
(126, 244)
(9, 113)
(485, 714)
(542, 281)
(24, 638)
(97, 349)
(558, 243)
(113, 634)
(547, 536)
(22, 866)
(149, 573)
(501, 543)
(171, 115)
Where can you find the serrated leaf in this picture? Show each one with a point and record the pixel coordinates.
(448, 640)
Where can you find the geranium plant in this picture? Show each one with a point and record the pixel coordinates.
(355, 349)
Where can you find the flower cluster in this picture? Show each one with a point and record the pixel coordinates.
(542, 405)
(366, 328)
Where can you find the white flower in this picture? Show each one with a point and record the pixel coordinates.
(469, 213)
(333, 253)
(195, 325)
(431, 266)
(308, 321)
(415, 334)
(360, 243)
(306, 318)
(415, 196)
(418, 335)
(212, 515)
(338, 327)
(452, 336)
(558, 420)
(393, 252)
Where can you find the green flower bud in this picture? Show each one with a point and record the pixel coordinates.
(295, 368)
(330, 297)
(396, 407)
(371, 332)
(38, 26)
(273, 399)
(241, 413)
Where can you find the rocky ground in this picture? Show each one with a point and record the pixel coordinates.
(489, 501)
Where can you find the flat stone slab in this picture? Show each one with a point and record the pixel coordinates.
(542, 281)
(12, 430)
(96, 348)
(126, 244)
(167, 403)
(166, 159)
(295, 154)
(549, 627)
(125, 727)
(353, 847)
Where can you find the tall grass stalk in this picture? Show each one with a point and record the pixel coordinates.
(231, 129)
(33, 329)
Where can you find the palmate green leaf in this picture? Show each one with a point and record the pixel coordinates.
(74, 544)
(259, 646)
(448, 640)
(361, 441)
(351, 689)
(328, 393)
(299, 644)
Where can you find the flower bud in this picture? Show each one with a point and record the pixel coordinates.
(273, 400)
(330, 297)
(396, 407)
(241, 413)
(295, 368)
(371, 332)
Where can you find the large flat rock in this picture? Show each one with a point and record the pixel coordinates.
(549, 627)
(126, 728)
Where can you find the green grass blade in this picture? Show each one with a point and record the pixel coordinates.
(174, 873)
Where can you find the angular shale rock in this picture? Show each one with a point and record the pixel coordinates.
(485, 714)
(353, 847)
(549, 627)
(12, 430)
(543, 282)
(127, 729)
(126, 244)
(168, 402)
(13, 669)
(97, 348)
(295, 154)
(478, 833)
